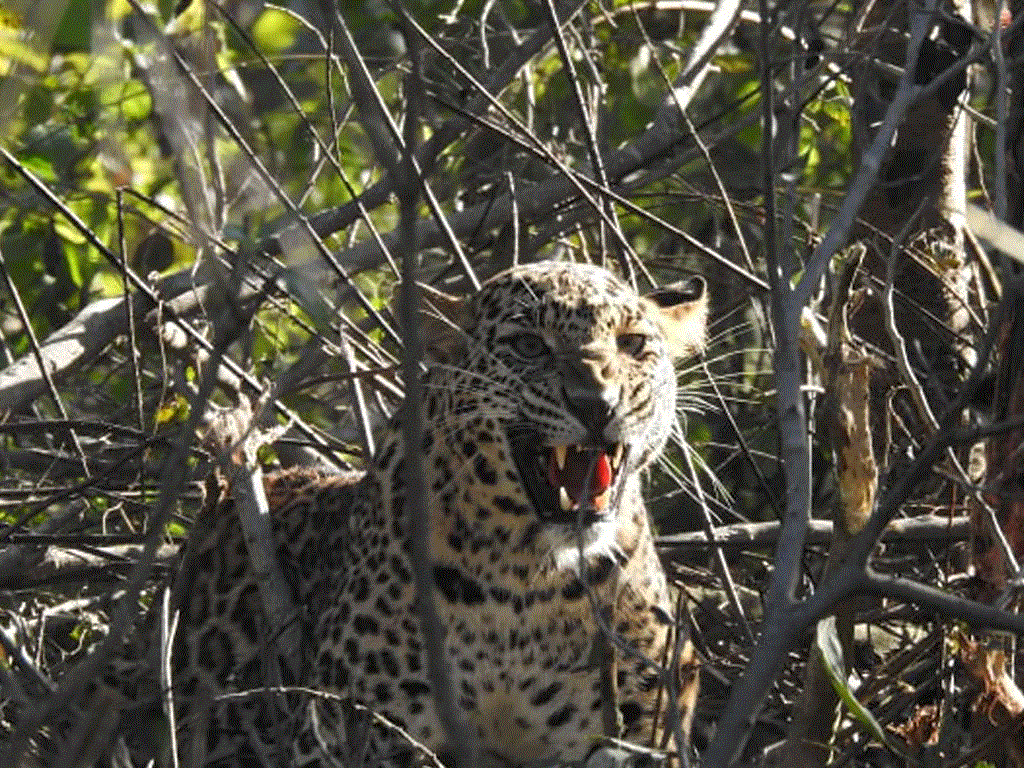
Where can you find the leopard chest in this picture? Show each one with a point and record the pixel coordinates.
(522, 663)
(526, 672)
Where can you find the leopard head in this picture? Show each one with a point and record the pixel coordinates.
(562, 377)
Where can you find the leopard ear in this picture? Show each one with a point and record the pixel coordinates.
(682, 310)
(441, 320)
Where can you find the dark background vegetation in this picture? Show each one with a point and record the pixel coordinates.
(199, 208)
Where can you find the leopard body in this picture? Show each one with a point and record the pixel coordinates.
(551, 391)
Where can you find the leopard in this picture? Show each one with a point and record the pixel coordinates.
(547, 396)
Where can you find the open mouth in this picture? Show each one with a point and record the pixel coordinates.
(567, 483)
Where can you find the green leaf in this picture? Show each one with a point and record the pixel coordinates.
(40, 166)
(136, 102)
(68, 232)
(826, 640)
(14, 51)
(275, 31)
(176, 410)
(38, 105)
(74, 32)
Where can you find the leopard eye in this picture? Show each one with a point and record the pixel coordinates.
(529, 346)
(632, 344)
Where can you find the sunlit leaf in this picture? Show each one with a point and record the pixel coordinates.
(14, 51)
(136, 102)
(189, 20)
(828, 645)
(275, 31)
(40, 166)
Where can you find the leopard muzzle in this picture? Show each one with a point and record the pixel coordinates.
(568, 484)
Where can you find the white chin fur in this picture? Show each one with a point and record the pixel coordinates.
(598, 539)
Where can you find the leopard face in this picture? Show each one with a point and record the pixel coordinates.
(562, 376)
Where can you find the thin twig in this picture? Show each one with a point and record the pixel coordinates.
(26, 323)
(417, 493)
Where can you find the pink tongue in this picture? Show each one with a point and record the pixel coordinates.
(577, 471)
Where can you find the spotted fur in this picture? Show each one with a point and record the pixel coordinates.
(550, 354)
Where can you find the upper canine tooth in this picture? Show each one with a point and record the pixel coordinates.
(563, 499)
(616, 456)
(560, 453)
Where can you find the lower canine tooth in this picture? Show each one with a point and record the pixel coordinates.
(563, 499)
(601, 501)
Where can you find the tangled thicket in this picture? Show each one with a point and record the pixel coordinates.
(201, 209)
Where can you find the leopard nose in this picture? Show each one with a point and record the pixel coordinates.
(593, 411)
(588, 391)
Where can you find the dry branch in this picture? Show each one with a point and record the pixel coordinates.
(70, 348)
(923, 528)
